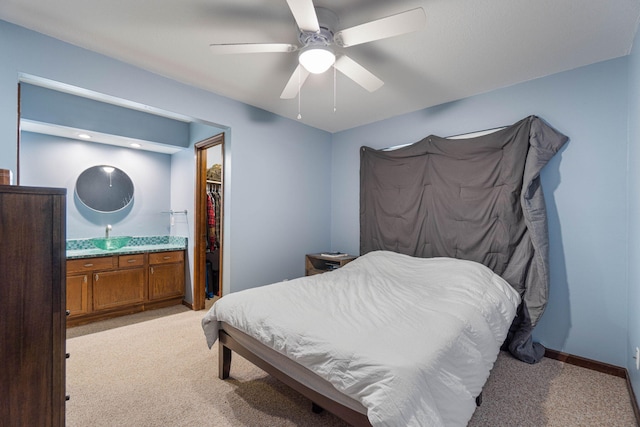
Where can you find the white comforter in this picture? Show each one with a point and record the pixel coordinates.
(412, 339)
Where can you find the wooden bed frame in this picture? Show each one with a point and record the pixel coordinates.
(227, 343)
(331, 400)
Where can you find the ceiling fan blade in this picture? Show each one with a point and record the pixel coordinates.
(394, 25)
(233, 48)
(296, 81)
(358, 73)
(305, 15)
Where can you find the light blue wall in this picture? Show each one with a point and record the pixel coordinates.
(634, 215)
(52, 106)
(279, 169)
(585, 189)
(182, 198)
(49, 161)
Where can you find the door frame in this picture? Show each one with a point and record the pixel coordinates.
(200, 233)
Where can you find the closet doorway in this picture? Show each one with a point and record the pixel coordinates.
(209, 220)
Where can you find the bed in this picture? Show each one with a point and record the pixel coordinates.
(453, 265)
(360, 330)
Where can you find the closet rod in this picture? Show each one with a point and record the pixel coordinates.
(176, 212)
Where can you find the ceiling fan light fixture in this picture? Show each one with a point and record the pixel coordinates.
(317, 59)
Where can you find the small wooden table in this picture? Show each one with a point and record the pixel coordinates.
(318, 263)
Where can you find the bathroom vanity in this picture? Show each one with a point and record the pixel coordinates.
(141, 277)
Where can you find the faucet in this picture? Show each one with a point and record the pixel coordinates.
(107, 230)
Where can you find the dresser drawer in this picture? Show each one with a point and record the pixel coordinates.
(90, 264)
(130, 260)
(166, 257)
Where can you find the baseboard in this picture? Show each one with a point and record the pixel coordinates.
(634, 401)
(583, 362)
(594, 365)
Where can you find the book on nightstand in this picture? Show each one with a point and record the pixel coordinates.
(334, 254)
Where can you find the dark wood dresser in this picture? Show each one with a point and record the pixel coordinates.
(32, 306)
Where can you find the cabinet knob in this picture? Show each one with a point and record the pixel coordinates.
(67, 397)
(166, 257)
(131, 260)
(68, 312)
(67, 356)
(89, 264)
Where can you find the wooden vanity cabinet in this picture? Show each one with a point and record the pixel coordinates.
(103, 287)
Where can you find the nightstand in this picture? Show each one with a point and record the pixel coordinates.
(318, 263)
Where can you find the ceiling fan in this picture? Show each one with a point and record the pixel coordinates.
(317, 38)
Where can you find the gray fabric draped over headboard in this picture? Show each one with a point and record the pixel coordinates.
(477, 199)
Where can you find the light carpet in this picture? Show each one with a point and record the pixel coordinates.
(154, 369)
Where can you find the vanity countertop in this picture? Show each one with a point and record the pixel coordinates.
(83, 248)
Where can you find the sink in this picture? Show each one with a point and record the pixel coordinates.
(110, 243)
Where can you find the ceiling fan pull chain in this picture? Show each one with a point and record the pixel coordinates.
(299, 93)
(335, 92)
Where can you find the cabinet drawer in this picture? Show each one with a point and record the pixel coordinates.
(166, 257)
(130, 260)
(89, 264)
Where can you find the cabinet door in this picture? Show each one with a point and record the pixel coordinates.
(166, 281)
(78, 294)
(113, 289)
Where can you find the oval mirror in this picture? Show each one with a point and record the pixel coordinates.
(104, 188)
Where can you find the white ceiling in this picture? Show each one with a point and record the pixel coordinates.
(467, 47)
